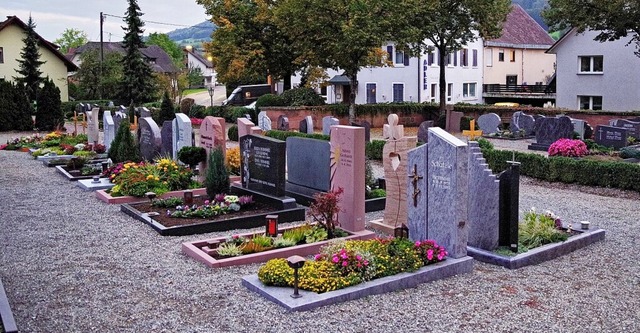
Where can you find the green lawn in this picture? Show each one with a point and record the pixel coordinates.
(193, 91)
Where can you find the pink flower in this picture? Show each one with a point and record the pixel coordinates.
(358, 257)
(430, 254)
(345, 264)
(206, 202)
(335, 259)
(344, 256)
(318, 257)
(417, 243)
(235, 236)
(440, 256)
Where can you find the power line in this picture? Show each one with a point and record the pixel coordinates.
(162, 23)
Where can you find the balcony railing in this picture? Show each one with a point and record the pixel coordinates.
(521, 89)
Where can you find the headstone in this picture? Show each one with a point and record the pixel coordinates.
(306, 125)
(263, 164)
(394, 162)
(549, 130)
(579, 127)
(181, 130)
(615, 137)
(308, 163)
(453, 121)
(423, 130)
(109, 129)
(632, 127)
(367, 129)
(150, 138)
(93, 131)
(283, 123)
(347, 165)
(509, 202)
(212, 134)
(263, 121)
(327, 122)
(167, 138)
(117, 118)
(588, 131)
(441, 206)
(110, 104)
(489, 123)
(246, 127)
(391, 130)
(144, 112)
(522, 122)
(122, 108)
(484, 199)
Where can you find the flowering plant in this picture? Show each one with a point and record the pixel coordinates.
(430, 251)
(325, 210)
(138, 178)
(568, 148)
(539, 229)
(196, 121)
(228, 204)
(233, 160)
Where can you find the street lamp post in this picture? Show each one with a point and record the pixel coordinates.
(211, 89)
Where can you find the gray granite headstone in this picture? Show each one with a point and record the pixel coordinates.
(150, 138)
(167, 138)
(445, 169)
(109, 128)
(117, 119)
(181, 131)
(309, 121)
(632, 127)
(615, 137)
(308, 163)
(489, 123)
(302, 126)
(327, 122)
(93, 131)
(263, 121)
(144, 112)
(122, 108)
(484, 198)
(549, 130)
(524, 122)
(423, 130)
(283, 123)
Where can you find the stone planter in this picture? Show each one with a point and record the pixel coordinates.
(102, 195)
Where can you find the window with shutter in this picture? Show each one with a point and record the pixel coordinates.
(406, 59)
(398, 92)
(475, 58)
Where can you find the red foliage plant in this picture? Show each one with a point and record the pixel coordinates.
(325, 210)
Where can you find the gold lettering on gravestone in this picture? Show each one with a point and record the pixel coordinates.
(414, 180)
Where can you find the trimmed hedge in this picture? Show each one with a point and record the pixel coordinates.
(568, 170)
(373, 149)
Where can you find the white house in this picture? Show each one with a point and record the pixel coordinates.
(196, 60)
(596, 76)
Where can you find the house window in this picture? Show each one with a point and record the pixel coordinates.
(512, 56)
(464, 57)
(398, 92)
(449, 59)
(434, 91)
(455, 58)
(1, 55)
(449, 91)
(371, 93)
(474, 62)
(430, 57)
(469, 90)
(399, 58)
(591, 64)
(590, 102)
(501, 55)
(488, 55)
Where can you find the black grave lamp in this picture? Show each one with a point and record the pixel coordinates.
(151, 196)
(401, 232)
(295, 262)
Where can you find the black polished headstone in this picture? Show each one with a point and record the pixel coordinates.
(508, 206)
(632, 127)
(549, 130)
(423, 130)
(167, 138)
(588, 131)
(263, 164)
(283, 123)
(615, 137)
(308, 163)
(302, 126)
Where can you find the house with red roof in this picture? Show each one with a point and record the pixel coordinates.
(516, 67)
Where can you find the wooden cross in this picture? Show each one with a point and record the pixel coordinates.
(84, 123)
(472, 133)
(75, 123)
(134, 126)
(414, 180)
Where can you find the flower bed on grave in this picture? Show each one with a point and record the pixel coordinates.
(541, 237)
(509, 135)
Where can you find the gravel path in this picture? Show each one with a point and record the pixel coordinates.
(73, 264)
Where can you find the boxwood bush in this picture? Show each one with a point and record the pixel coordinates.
(373, 149)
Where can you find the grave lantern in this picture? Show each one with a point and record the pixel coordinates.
(272, 225)
(401, 232)
(188, 197)
(295, 262)
(150, 196)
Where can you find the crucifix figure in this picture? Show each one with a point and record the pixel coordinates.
(414, 179)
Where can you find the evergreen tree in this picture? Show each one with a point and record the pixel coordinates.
(137, 81)
(167, 110)
(30, 63)
(124, 147)
(21, 118)
(6, 98)
(217, 179)
(49, 111)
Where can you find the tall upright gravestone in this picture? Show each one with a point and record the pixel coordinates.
(484, 201)
(167, 138)
(263, 164)
(212, 136)
(347, 165)
(109, 128)
(93, 131)
(438, 192)
(182, 131)
(150, 139)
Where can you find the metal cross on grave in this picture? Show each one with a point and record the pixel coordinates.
(472, 133)
(414, 180)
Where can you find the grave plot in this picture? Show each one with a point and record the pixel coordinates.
(76, 169)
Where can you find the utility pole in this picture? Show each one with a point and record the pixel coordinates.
(101, 53)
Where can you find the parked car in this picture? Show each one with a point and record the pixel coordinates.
(247, 94)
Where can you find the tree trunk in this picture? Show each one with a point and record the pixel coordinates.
(286, 82)
(443, 80)
(353, 84)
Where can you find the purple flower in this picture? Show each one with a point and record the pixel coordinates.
(168, 212)
(219, 197)
(206, 202)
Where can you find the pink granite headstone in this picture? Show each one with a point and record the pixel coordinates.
(211, 136)
(246, 127)
(347, 172)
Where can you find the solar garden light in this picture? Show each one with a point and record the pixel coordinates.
(96, 179)
(295, 262)
(584, 225)
(150, 196)
(272, 226)
(401, 232)
(188, 197)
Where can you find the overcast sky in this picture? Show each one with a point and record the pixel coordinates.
(52, 17)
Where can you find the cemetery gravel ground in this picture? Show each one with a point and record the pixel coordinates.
(73, 264)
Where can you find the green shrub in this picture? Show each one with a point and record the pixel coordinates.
(539, 229)
(215, 111)
(302, 96)
(283, 135)
(231, 114)
(49, 114)
(485, 144)
(232, 133)
(217, 179)
(124, 147)
(373, 149)
(628, 152)
(197, 111)
(185, 105)
(270, 100)
(191, 155)
(377, 193)
(167, 111)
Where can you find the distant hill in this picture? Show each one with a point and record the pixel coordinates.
(534, 8)
(193, 35)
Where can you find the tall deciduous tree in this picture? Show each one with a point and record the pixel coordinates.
(137, 81)
(71, 38)
(49, 112)
(341, 34)
(91, 80)
(169, 46)
(448, 25)
(613, 18)
(29, 70)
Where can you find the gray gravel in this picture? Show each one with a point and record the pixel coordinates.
(73, 264)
